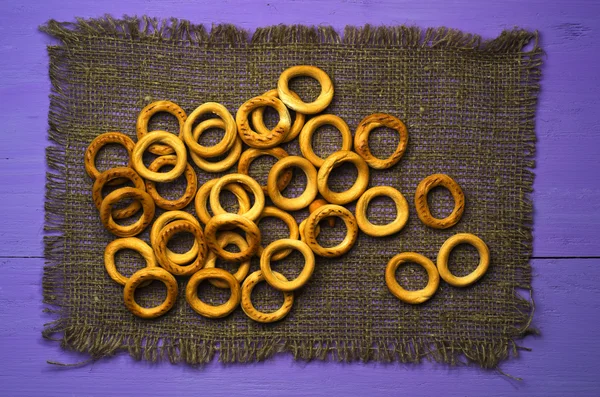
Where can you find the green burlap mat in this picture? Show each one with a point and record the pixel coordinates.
(469, 105)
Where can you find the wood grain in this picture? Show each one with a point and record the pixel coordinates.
(566, 196)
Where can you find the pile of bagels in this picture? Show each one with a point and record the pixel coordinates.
(213, 233)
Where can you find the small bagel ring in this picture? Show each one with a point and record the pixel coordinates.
(126, 243)
(310, 231)
(252, 154)
(309, 194)
(311, 126)
(161, 222)
(360, 185)
(255, 139)
(169, 139)
(100, 141)
(444, 254)
(317, 106)
(261, 128)
(252, 312)
(204, 193)
(113, 174)
(226, 238)
(147, 274)
(259, 197)
(422, 206)
(230, 130)
(381, 230)
(160, 249)
(135, 228)
(149, 111)
(412, 297)
(217, 166)
(190, 189)
(228, 221)
(290, 223)
(206, 310)
(361, 139)
(305, 274)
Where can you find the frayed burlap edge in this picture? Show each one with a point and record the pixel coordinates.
(97, 343)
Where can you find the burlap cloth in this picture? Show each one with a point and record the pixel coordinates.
(469, 105)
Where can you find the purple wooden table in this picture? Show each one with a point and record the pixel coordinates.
(566, 264)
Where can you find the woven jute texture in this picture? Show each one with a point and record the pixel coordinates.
(469, 105)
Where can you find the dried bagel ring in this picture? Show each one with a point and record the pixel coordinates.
(252, 154)
(169, 139)
(161, 222)
(204, 193)
(318, 105)
(310, 231)
(259, 197)
(361, 139)
(422, 206)
(311, 126)
(290, 223)
(360, 185)
(309, 194)
(381, 230)
(412, 297)
(230, 130)
(229, 221)
(302, 228)
(210, 311)
(149, 111)
(255, 139)
(252, 312)
(216, 166)
(131, 243)
(135, 228)
(160, 249)
(278, 246)
(100, 141)
(444, 254)
(226, 238)
(108, 176)
(142, 276)
(190, 189)
(261, 128)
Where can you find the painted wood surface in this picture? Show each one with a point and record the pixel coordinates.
(564, 360)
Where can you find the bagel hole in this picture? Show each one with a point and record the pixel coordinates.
(307, 88)
(164, 121)
(260, 167)
(181, 242)
(233, 249)
(171, 190)
(331, 236)
(411, 276)
(383, 142)
(326, 140)
(128, 261)
(342, 177)
(226, 265)
(381, 210)
(296, 186)
(440, 202)
(265, 298)
(212, 295)
(463, 260)
(272, 229)
(111, 155)
(270, 117)
(151, 295)
(290, 266)
(211, 137)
